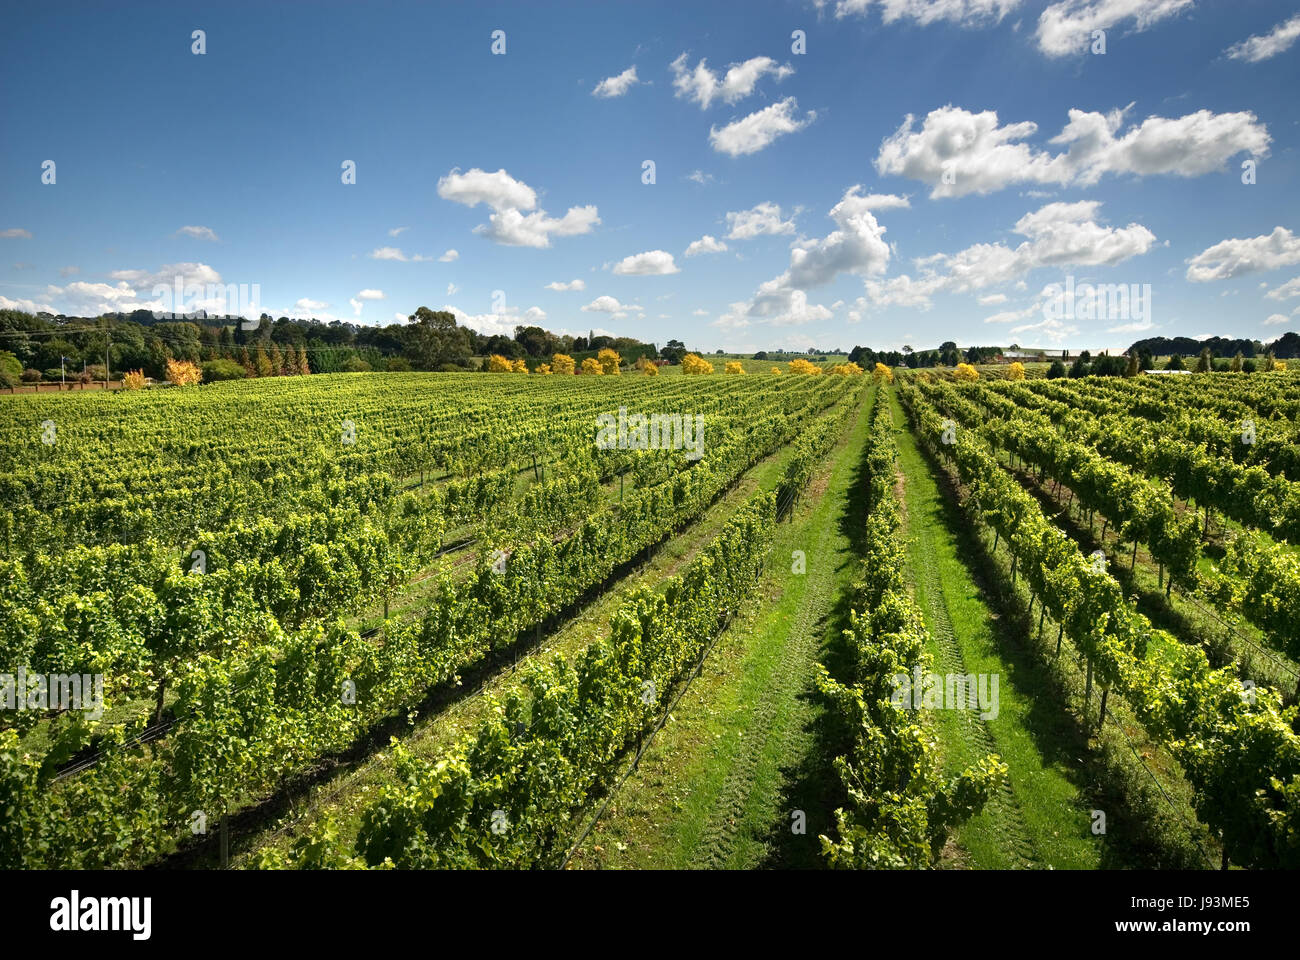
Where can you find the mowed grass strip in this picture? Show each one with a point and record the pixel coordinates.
(1051, 825)
(719, 786)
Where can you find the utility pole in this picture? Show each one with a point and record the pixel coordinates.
(63, 374)
(108, 339)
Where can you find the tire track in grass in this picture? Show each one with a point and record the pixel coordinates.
(1039, 818)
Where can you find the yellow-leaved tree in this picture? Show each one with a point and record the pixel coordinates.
(693, 363)
(650, 369)
(133, 379)
(563, 363)
(544, 369)
(1016, 371)
(800, 365)
(734, 366)
(183, 373)
(965, 371)
(776, 370)
(499, 364)
(848, 369)
(882, 374)
(609, 361)
(591, 367)
(519, 366)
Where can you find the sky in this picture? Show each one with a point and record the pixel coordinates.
(743, 176)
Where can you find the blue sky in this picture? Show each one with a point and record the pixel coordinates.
(1029, 160)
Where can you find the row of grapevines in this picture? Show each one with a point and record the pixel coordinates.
(1240, 753)
(900, 807)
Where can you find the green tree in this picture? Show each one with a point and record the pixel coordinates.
(1206, 361)
(433, 339)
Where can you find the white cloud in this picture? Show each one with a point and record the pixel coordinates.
(535, 315)
(1275, 319)
(1059, 235)
(616, 86)
(1066, 27)
(648, 264)
(188, 273)
(1052, 329)
(514, 229)
(369, 294)
(306, 303)
(397, 230)
(69, 271)
(704, 87)
(508, 225)
(1231, 258)
(452, 289)
(856, 246)
(992, 299)
(700, 177)
(1277, 40)
(198, 233)
(499, 190)
(449, 256)
(699, 313)
(760, 220)
(395, 253)
(28, 306)
(706, 244)
(14, 233)
(571, 285)
(964, 13)
(1286, 291)
(976, 154)
(610, 305)
(356, 306)
(752, 133)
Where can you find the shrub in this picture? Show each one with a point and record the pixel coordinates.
(1016, 371)
(398, 365)
(499, 364)
(693, 363)
(733, 366)
(183, 373)
(133, 380)
(562, 363)
(800, 365)
(591, 367)
(356, 365)
(221, 369)
(882, 374)
(609, 361)
(965, 372)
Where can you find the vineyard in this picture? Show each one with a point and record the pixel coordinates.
(446, 620)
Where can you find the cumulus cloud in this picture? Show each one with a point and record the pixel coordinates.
(1232, 258)
(610, 305)
(1058, 235)
(648, 264)
(992, 299)
(308, 304)
(452, 289)
(704, 86)
(762, 219)
(26, 306)
(855, 246)
(1277, 40)
(14, 233)
(616, 86)
(962, 13)
(760, 129)
(356, 306)
(508, 224)
(706, 244)
(369, 294)
(1065, 28)
(1275, 319)
(958, 152)
(1286, 291)
(571, 285)
(198, 233)
(449, 256)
